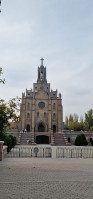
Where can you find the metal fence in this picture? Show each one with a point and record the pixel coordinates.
(65, 152)
(23, 152)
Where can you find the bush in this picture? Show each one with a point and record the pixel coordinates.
(81, 140)
(13, 138)
(8, 142)
(92, 142)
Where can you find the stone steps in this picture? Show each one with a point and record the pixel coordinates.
(25, 137)
(59, 139)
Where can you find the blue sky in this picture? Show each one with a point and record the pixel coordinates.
(60, 31)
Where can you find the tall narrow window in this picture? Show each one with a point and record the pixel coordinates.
(28, 115)
(37, 114)
(54, 116)
(44, 114)
(28, 106)
(54, 106)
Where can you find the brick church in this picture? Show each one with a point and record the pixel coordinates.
(41, 109)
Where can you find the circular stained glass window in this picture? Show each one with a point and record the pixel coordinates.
(41, 104)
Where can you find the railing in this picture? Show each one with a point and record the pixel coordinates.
(75, 152)
(51, 152)
(23, 152)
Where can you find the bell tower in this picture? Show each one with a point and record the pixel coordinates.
(41, 73)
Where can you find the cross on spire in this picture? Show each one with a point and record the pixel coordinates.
(42, 61)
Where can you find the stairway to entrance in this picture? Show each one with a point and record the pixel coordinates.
(59, 139)
(26, 138)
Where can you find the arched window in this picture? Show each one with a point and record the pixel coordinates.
(37, 114)
(28, 115)
(54, 106)
(28, 106)
(54, 116)
(44, 114)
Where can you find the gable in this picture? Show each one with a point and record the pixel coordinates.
(41, 95)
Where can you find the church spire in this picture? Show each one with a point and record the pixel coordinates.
(42, 72)
(42, 61)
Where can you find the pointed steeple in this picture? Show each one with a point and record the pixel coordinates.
(42, 61)
(42, 72)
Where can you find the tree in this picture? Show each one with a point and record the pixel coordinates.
(89, 120)
(81, 140)
(8, 112)
(1, 80)
(75, 117)
(81, 119)
(66, 122)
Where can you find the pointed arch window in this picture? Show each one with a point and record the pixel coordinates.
(54, 106)
(54, 116)
(28, 115)
(44, 114)
(28, 106)
(37, 114)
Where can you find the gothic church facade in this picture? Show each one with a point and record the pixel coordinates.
(41, 109)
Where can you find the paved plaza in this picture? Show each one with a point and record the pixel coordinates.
(46, 178)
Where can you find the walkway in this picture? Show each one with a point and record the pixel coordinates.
(38, 178)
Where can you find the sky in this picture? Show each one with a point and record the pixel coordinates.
(60, 31)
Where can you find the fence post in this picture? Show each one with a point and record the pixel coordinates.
(43, 152)
(81, 153)
(1, 150)
(19, 152)
(71, 153)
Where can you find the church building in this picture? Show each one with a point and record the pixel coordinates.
(41, 109)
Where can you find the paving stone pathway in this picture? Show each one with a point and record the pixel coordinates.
(37, 178)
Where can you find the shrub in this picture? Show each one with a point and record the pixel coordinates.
(13, 138)
(92, 142)
(8, 142)
(81, 140)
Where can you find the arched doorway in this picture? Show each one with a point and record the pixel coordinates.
(54, 128)
(28, 128)
(41, 128)
(42, 139)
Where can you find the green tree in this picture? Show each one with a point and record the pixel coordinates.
(75, 117)
(8, 111)
(66, 122)
(81, 140)
(71, 122)
(89, 120)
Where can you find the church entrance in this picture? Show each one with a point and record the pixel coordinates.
(41, 128)
(54, 128)
(28, 128)
(42, 139)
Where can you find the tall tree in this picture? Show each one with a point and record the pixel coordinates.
(8, 112)
(75, 117)
(89, 120)
(66, 122)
